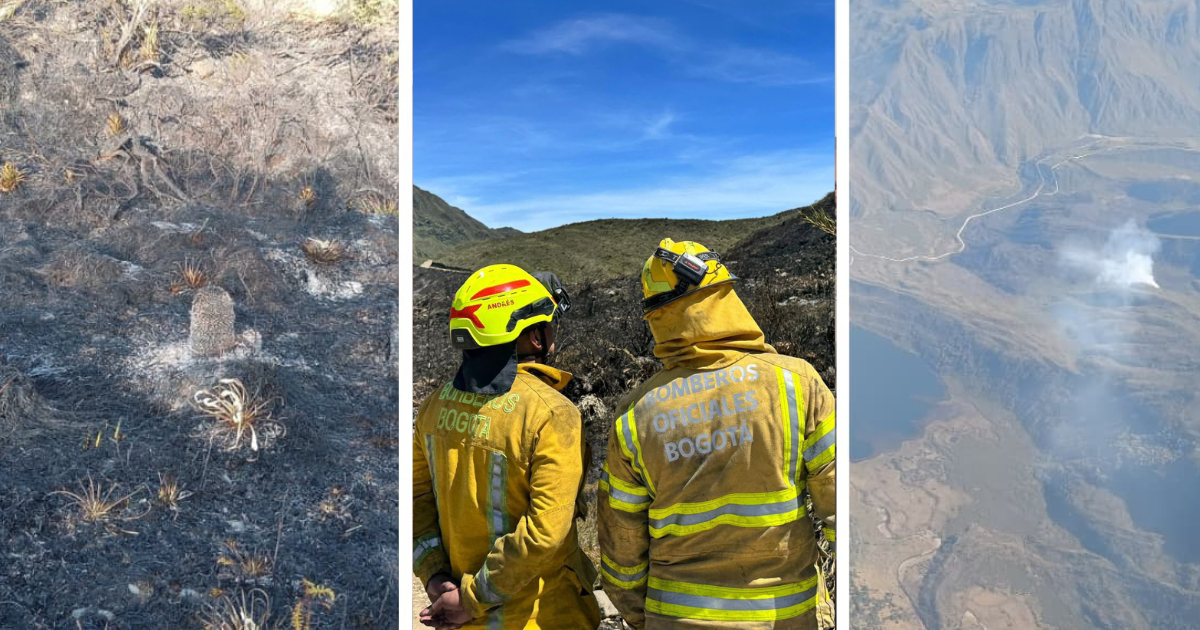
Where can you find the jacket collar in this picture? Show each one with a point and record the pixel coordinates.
(706, 330)
(552, 376)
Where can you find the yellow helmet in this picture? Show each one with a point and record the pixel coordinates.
(498, 302)
(677, 269)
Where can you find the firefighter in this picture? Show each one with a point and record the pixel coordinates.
(498, 465)
(702, 517)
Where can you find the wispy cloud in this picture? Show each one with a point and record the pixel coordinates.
(720, 62)
(449, 146)
(463, 191)
(754, 185)
(580, 35)
(765, 15)
(485, 132)
(659, 127)
(739, 64)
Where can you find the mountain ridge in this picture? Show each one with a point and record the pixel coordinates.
(986, 91)
(599, 249)
(439, 226)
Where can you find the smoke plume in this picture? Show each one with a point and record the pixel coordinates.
(1100, 320)
(1125, 261)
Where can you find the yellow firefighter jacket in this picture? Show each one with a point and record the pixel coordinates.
(702, 518)
(495, 485)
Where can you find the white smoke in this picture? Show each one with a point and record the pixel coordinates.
(1125, 261)
(1100, 323)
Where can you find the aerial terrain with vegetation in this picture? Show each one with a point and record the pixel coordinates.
(785, 262)
(1025, 251)
(198, 288)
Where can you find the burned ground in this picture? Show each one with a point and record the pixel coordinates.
(202, 156)
(787, 283)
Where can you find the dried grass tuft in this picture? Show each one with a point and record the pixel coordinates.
(11, 177)
(250, 610)
(238, 414)
(323, 251)
(115, 125)
(308, 195)
(191, 275)
(171, 492)
(379, 205)
(94, 504)
(254, 568)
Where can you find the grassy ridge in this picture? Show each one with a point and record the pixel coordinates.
(602, 249)
(439, 227)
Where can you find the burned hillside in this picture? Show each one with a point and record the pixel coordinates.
(787, 283)
(199, 275)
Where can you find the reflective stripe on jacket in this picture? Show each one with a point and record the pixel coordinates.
(495, 484)
(702, 519)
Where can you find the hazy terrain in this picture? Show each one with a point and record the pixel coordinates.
(952, 99)
(1013, 162)
(153, 156)
(787, 271)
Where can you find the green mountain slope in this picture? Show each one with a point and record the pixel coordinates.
(605, 248)
(439, 226)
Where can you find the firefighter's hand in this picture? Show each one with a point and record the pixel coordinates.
(439, 584)
(448, 612)
(436, 621)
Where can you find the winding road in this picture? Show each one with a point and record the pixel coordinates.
(1039, 192)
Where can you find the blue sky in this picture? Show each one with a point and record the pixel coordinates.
(533, 114)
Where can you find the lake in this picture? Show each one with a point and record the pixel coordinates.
(1178, 252)
(891, 395)
(1181, 223)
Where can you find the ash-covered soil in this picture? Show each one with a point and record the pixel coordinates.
(240, 137)
(103, 344)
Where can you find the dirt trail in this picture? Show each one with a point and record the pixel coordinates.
(962, 245)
